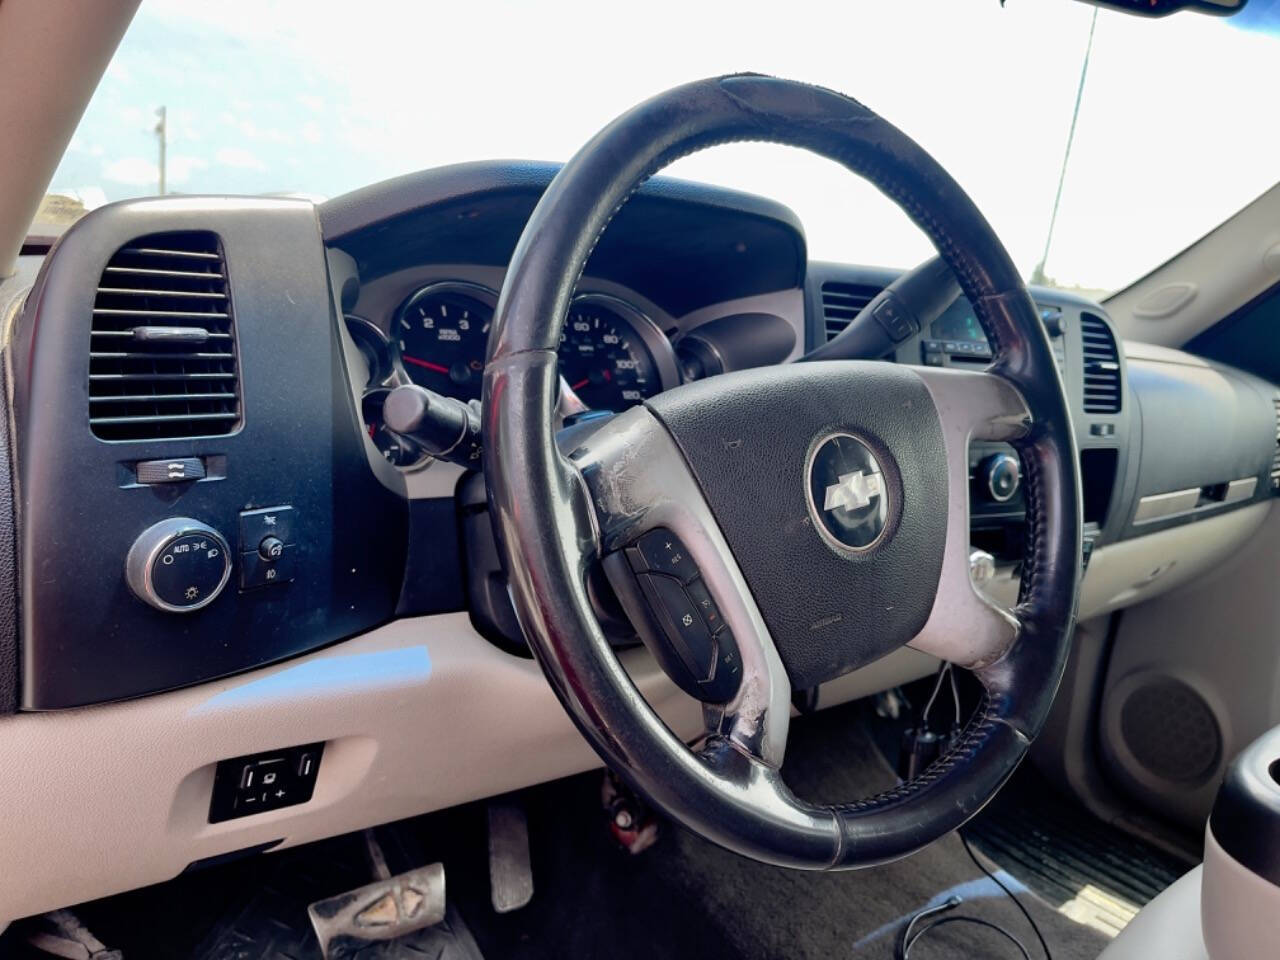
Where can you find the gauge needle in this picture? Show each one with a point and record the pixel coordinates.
(581, 383)
(424, 363)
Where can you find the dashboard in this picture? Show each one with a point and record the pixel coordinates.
(221, 553)
(214, 372)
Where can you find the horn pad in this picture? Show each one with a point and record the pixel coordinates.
(829, 482)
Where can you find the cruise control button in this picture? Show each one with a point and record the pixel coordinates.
(701, 598)
(660, 551)
(727, 670)
(682, 624)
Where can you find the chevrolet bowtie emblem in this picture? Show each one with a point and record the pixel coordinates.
(849, 493)
(854, 491)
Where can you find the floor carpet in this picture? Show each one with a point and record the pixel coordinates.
(1092, 871)
(686, 898)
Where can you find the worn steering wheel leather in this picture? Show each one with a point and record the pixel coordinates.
(707, 457)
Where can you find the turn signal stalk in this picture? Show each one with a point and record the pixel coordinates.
(444, 427)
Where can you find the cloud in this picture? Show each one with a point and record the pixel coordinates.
(180, 167)
(143, 172)
(134, 171)
(251, 131)
(117, 71)
(239, 158)
(136, 117)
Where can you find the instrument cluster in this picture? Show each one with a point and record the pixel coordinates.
(612, 355)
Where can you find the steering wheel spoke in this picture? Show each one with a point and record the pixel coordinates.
(964, 626)
(654, 527)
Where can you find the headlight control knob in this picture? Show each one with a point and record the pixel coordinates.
(178, 565)
(1001, 475)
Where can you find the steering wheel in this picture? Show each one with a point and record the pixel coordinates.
(821, 508)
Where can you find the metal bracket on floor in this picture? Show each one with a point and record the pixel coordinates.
(389, 907)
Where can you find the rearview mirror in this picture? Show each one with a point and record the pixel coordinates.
(1162, 8)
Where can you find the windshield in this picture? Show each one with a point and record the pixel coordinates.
(1173, 131)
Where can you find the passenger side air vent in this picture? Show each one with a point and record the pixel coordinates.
(841, 302)
(1275, 457)
(1101, 366)
(162, 355)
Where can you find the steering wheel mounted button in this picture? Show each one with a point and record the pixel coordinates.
(707, 608)
(682, 624)
(727, 670)
(660, 551)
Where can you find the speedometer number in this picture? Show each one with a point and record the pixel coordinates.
(603, 358)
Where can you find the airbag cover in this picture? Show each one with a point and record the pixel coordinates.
(749, 438)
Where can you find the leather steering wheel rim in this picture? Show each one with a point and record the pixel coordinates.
(556, 515)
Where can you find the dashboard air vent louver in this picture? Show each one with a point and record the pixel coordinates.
(841, 302)
(1275, 457)
(1101, 366)
(1059, 345)
(162, 356)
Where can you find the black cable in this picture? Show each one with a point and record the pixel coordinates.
(901, 945)
(955, 692)
(963, 919)
(1016, 902)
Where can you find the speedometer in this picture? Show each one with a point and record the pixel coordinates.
(605, 353)
(441, 333)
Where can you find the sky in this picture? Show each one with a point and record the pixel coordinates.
(1176, 128)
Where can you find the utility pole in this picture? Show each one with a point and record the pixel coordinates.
(162, 135)
(1038, 275)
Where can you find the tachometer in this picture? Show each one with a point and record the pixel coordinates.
(441, 333)
(607, 353)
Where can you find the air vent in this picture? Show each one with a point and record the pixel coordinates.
(1059, 345)
(162, 360)
(1101, 366)
(1275, 457)
(841, 302)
